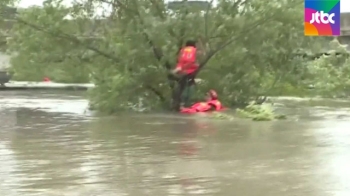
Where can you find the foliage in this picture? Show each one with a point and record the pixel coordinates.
(38, 55)
(330, 74)
(5, 14)
(246, 49)
(259, 112)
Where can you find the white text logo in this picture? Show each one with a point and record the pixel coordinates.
(322, 18)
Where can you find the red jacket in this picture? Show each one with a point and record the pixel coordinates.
(187, 60)
(204, 107)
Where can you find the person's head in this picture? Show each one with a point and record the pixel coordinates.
(191, 43)
(212, 95)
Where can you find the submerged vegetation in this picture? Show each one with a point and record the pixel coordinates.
(248, 50)
(259, 112)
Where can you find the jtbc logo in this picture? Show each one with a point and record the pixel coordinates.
(322, 18)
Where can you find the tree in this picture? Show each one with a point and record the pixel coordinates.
(248, 47)
(40, 51)
(329, 74)
(6, 14)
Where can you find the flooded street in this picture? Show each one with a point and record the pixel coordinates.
(51, 146)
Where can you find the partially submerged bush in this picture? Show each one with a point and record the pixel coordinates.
(262, 112)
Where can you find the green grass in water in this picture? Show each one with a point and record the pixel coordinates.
(263, 112)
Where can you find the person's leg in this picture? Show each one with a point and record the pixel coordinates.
(190, 83)
(181, 80)
(182, 89)
(186, 96)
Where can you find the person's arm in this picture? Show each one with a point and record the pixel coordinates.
(176, 70)
(189, 64)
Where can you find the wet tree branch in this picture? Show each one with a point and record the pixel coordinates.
(160, 11)
(60, 34)
(234, 38)
(117, 4)
(182, 33)
(158, 53)
(206, 18)
(156, 92)
(156, 50)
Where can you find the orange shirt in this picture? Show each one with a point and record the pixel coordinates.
(187, 59)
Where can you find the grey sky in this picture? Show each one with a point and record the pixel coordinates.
(344, 5)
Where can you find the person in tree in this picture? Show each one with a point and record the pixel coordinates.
(186, 69)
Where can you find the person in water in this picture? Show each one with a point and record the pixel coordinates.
(186, 68)
(211, 104)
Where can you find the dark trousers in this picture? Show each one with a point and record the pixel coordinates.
(184, 81)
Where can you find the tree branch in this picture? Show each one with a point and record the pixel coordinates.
(156, 51)
(156, 92)
(170, 30)
(118, 4)
(206, 16)
(66, 36)
(230, 41)
(158, 9)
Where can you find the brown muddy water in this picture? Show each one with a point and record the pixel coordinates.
(50, 146)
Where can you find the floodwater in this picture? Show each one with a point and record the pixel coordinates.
(51, 146)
